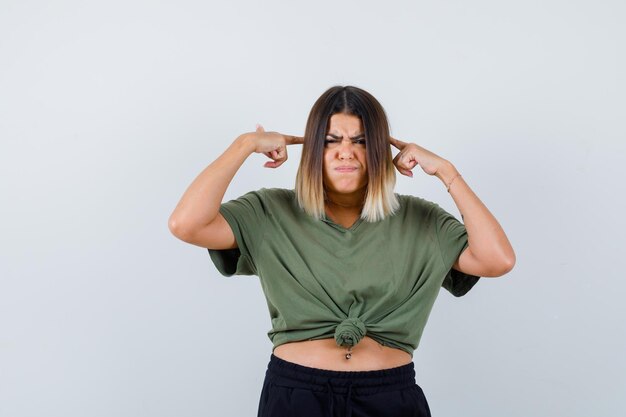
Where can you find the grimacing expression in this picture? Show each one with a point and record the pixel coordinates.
(345, 162)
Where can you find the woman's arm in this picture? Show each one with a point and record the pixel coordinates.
(489, 252)
(199, 206)
(196, 218)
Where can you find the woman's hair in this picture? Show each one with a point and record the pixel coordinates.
(380, 199)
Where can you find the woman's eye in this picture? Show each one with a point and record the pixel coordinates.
(335, 141)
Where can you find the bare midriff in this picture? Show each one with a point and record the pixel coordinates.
(367, 355)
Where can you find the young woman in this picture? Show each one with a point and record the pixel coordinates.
(349, 268)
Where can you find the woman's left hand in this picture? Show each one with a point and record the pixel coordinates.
(412, 154)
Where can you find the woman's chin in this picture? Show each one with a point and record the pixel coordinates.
(346, 189)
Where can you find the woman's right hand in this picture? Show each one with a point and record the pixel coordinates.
(273, 145)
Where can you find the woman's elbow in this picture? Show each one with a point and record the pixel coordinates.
(178, 228)
(505, 266)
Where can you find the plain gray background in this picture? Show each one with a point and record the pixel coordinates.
(108, 111)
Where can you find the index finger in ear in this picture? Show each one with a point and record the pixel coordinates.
(293, 140)
(397, 143)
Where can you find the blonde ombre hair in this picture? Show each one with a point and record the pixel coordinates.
(380, 199)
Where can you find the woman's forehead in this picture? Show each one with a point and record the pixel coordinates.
(341, 123)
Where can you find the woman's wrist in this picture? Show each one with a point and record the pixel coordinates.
(447, 173)
(245, 142)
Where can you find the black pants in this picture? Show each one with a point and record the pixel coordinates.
(292, 390)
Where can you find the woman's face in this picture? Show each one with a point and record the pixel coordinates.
(345, 163)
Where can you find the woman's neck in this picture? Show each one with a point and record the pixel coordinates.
(353, 201)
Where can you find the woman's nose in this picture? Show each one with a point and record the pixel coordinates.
(346, 149)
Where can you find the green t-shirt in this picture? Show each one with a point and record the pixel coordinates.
(322, 280)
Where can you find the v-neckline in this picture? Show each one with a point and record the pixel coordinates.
(354, 225)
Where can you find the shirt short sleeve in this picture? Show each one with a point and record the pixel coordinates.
(452, 237)
(246, 216)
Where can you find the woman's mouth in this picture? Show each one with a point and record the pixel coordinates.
(345, 169)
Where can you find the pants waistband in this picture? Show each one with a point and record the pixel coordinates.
(364, 382)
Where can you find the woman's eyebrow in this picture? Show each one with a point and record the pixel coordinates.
(360, 135)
